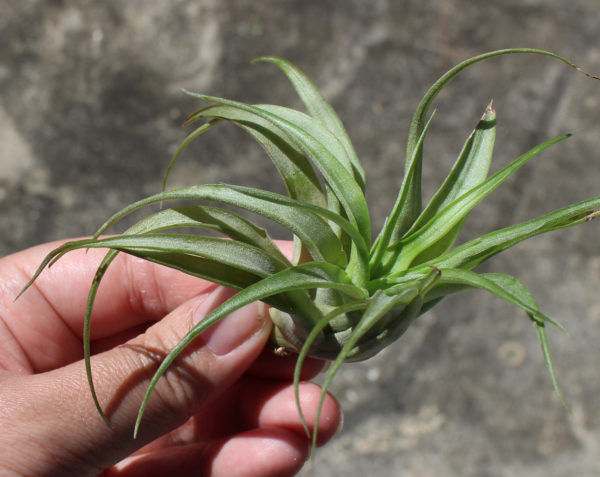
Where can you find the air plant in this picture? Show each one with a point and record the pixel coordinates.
(342, 297)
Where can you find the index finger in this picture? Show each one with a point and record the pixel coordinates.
(43, 329)
(133, 291)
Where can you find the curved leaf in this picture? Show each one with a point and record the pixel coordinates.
(474, 252)
(236, 254)
(414, 156)
(310, 339)
(298, 175)
(312, 230)
(316, 130)
(399, 212)
(223, 221)
(470, 170)
(337, 176)
(193, 135)
(319, 109)
(439, 225)
(504, 286)
(352, 232)
(510, 289)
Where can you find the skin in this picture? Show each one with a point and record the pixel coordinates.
(225, 408)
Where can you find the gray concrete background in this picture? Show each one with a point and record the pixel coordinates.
(90, 110)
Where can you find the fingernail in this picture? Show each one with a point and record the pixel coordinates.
(236, 328)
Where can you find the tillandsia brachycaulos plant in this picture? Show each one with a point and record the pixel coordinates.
(341, 297)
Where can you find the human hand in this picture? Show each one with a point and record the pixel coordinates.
(225, 407)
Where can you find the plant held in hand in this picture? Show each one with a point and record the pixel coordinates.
(341, 297)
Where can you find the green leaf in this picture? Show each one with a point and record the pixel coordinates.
(312, 230)
(299, 186)
(331, 143)
(309, 341)
(87, 324)
(393, 325)
(543, 337)
(348, 228)
(337, 176)
(520, 293)
(474, 252)
(315, 129)
(400, 212)
(439, 225)
(504, 286)
(319, 109)
(229, 252)
(207, 269)
(211, 218)
(510, 289)
(298, 175)
(470, 170)
(193, 135)
(414, 153)
(329, 156)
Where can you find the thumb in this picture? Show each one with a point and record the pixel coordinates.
(67, 421)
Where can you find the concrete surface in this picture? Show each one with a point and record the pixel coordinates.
(90, 110)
